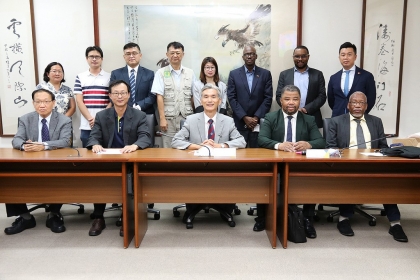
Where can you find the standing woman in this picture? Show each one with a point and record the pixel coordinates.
(209, 74)
(53, 81)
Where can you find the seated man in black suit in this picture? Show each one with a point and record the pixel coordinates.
(48, 130)
(118, 127)
(290, 130)
(354, 129)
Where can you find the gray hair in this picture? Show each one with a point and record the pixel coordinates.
(290, 88)
(211, 86)
(357, 93)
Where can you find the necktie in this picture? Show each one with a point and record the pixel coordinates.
(360, 136)
(45, 134)
(210, 134)
(346, 83)
(289, 129)
(133, 87)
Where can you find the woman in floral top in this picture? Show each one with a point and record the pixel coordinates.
(53, 81)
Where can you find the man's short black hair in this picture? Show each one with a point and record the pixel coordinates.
(44, 90)
(131, 45)
(116, 83)
(348, 45)
(175, 45)
(94, 48)
(301, 47)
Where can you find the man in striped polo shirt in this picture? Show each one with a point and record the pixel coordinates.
(91, 91)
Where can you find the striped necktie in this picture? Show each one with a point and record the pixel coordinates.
(133, 87)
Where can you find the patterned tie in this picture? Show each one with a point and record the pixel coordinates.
(45, 134)
(346, 83)
(289, 129)
(360, 136)
(210, 134)
(133, 86)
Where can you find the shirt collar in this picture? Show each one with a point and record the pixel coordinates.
(135, 68)
(286, 115)
(353, 118)
(206, 118)
(47, 118)
(306, 70)
(172, 69)
(247, 71)
(101, 73)
(351, 69)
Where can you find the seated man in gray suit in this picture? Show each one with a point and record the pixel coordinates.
(118, 127)
(47, 130)
(354, 129)
(208, 128)
(290, 130)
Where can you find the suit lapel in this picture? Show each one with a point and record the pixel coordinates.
(201, 127)
(356, 78)
(255, 79)
(34, 127)
(371, 127)
(53, 124)
(124, 74)
(242, 74)
(128, 117)
(138, 77)
(281, 126)
(219, 128)
(300, 124)
(346, 129)
(110, 126)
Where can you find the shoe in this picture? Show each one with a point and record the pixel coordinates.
(310, 231)
(398, 233)
(185, 217)
(56, 223)
(19, 225)
(344, 228)
(259, 226)
(97, 226)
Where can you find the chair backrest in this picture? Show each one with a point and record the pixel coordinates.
(150, 121)
(181, 124)
(325, 127)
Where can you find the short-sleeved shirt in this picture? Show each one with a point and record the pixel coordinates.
(62, 96)
(95, 93)
(158, 86)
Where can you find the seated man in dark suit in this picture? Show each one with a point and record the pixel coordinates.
(354, 129)
(118, 127)
(48, 130)
(291, 131)
(208, 128)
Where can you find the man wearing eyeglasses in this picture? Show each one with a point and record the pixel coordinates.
(250, 94)
(355, 129)
(44, 129)
(120, 127)
(348, 80)
(91, 91)
(139, 78)
(310, 82)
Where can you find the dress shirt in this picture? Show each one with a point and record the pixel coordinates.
(301, 80)
(351, 77)
(286, 123)
(40, 129)
(206, 123)
(135, 71)
(353, 136)
(249, 76)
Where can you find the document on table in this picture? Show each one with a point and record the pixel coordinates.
(110, 152)
(373, 154)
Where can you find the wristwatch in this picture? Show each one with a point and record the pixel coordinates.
(222, 145)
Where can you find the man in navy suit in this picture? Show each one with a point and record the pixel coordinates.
(139, 78)
(348, 80)
(250, 93)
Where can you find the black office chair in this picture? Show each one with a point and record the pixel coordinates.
(358, 208)
(206, 207)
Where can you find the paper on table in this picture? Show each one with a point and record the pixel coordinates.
(373, 154)
(111, 152)
(216, 152)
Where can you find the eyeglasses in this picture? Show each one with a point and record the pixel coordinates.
(38, 102)
(300, 56)
(361, 103)
(209, 68)
(123, 94)
(175, 53)
(56, 72)
(128, 54)
(92, 57)
(249, 54)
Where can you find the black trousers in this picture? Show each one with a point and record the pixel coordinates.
(21, 208)
(391, 210)
(98, 210)
(251, 138)
(308, 212)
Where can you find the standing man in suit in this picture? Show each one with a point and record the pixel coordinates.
(211, 129)
(310, 82)
(139, 78)
(122, 127)
(348, 80)
(354, 129)
(48, 130)
(173, 86)
(250, 94)
(290, 130)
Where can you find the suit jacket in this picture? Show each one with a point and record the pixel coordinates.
(144, 80)
(60, 129)
(272, 130)
(339, 132)
(194, 132)
(135, 130)
(243, 102)
(363, 81)
(316, 96)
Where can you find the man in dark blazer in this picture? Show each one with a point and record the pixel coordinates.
(354, 129)
(348, 80)
(291, 131)
(141, 98)
(118, 127)
(250, 94)
(48, 130)
(310, 81)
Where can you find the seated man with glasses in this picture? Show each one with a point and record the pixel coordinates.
(353, 130)
(118, 127)
(44, 129)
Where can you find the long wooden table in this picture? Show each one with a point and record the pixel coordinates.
(353, 178)
(170, 176)
(60, 176)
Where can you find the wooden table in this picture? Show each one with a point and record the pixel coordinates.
(351, 179)
(60, 176)
(170, 176)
